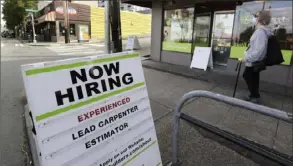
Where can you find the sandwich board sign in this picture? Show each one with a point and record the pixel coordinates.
(202, 58)
(92, 111)
(132, 43)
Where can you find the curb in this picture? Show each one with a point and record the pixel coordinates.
(146, 56)
(39, 45)
(175, 73)
(202, 78)
(57, 44)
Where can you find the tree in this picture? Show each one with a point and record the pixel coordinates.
(14, 11)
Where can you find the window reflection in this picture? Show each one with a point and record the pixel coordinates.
(282, 22)
(281, 25)
(201, 31)
(243, 25)
(177, 34)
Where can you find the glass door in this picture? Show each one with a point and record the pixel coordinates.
(201, 31)
(222, 37)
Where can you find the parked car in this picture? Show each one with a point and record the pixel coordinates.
(7, 34)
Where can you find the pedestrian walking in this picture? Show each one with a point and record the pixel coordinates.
(255, 54)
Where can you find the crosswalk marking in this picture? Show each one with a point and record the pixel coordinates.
(16, 45)
(97, 45)
(66, 49)
(81, 50)
(83, 53)
(21, 45)
(76, 50)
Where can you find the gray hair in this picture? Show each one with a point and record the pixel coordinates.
(264, 17)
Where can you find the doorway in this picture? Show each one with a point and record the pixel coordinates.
(201, 31)
(222, 36)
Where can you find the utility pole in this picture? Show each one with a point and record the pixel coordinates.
(66, 20)
(107, 27)
(33, 25)
(68, 24)
(264, 4)
(116, 26)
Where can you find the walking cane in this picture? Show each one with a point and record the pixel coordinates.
(238, 68)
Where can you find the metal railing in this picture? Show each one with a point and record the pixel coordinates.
(232, 137)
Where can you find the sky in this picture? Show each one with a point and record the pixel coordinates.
(2, 21)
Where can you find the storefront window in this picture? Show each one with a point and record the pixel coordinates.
(281, 24)
(243, 27)
(177, 34)
(222, 34)
(53, 29)
(202, 30)
(72, 29)
(61, 29)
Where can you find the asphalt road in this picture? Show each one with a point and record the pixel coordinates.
(14, 149)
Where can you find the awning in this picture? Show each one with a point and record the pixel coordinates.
(148, 3)
(49, 17)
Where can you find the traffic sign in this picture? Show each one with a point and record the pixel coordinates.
(31, 10)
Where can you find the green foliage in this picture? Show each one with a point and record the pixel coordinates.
(14, 11)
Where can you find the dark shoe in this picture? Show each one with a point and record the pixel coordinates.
(255, 100)
(247, 98)
(252, 99)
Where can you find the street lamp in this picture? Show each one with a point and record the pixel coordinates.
(33, 25)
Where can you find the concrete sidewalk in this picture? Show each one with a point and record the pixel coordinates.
(197, 148)
(217, 76)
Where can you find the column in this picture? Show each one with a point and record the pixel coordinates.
(156, 36)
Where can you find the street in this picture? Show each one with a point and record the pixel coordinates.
(14, 149)
(12, 49)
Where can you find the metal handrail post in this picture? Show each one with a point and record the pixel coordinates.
(225, 99)
(175, 133)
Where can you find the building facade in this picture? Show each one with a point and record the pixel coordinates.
(50, 22)
(97, 3)
(224, 26)
(126, 7)
(86, 22)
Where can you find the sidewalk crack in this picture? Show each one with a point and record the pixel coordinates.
(275, 134)
(161, 104)
(229, 110)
